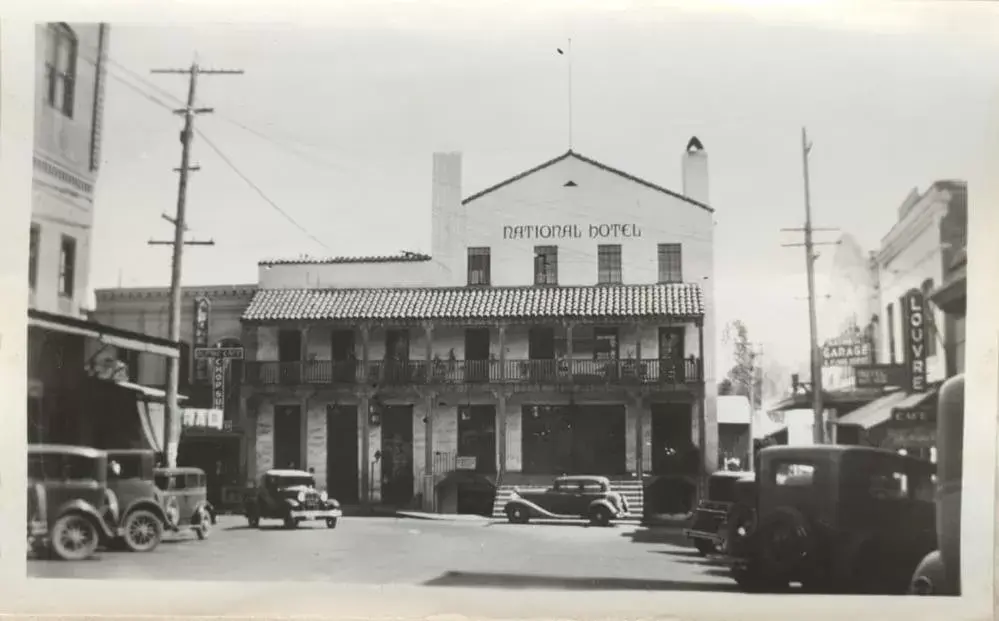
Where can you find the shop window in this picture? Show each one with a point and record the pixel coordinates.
(479, 264)
(609, 264)
(60, 68)
(670, 263)
(546, 265)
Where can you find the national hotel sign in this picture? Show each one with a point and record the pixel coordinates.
(572, 231)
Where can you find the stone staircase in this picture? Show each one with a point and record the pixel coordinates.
(631, 489)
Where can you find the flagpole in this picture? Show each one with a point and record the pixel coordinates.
(569, 53)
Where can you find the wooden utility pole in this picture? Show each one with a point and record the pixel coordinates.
(818, 426)
(171, 418)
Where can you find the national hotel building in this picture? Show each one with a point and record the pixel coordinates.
(563, 323)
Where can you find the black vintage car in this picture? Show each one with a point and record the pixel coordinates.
(290, 495)
(837, 519)
(708, 529)
(145, 512)
(67, 495)
(570, 497)
(939, 573)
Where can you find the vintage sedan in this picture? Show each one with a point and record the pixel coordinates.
(291, 495)
(708, 529)
(840, 519)
(67, 495)
(185, 492)
(145, 512)
(570, 497)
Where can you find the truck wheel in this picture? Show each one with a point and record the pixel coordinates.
(290, 522)
(517, 515)
(143, 531)
(600, 516)
(74, 537)
(204, 524)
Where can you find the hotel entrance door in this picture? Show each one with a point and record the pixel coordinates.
(580, 439)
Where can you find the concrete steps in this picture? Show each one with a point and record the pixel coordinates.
(632, 490)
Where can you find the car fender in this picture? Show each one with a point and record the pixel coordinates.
(930, 577)
(602, 502)
(149, 505)
(530, 506)
(85, 508)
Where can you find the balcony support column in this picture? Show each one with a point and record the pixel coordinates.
(502, 352)
(428, 422)
(365, 414)
(702, 419)
(501, 432)
(428, 331)
(568, 350)
(700, 348)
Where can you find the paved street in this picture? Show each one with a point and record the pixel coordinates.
(383, 550)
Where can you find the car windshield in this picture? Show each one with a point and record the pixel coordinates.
(290, 481)
(125, 467)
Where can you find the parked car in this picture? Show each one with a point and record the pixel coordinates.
(291, 495)
(186, 490)
(67, 495)
(708, 529)
(145, 511)
(939, 573)
(570, 497)
(836, 519)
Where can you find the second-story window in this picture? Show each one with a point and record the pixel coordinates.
(33, 244)
(670, 263)
(67, 267)
(60, 68)
(546, 265)
(609, 264)
(479, 264)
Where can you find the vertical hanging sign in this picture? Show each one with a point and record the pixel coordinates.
(218, 383)
(914, 339)
(202, 309)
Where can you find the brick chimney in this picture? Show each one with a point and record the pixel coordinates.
(695, 172)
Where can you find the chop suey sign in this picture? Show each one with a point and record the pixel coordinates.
(914, 339)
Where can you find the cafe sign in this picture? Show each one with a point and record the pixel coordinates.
(572, 231)
(916, 417)
(914, 339)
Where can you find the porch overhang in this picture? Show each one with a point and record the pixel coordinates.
(841, 400)
(951, 297)
(109, 335)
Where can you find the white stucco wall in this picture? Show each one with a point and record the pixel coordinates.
(911, 253)
(63, 178)
(315, 275)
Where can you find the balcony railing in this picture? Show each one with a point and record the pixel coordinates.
(453, 372)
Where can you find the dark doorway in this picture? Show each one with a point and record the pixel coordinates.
(218, 456)
(344, 356)
(574, 439)
(671, 354)
(290, 355)
(541, 351)
(397, 455)
(477, 354)
(397, 356)
(477, 436)
(341, 453)
(673, 450)
(287, 436)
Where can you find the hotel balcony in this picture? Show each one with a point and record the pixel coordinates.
(444, 373)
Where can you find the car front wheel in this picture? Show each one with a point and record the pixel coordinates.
(74, 538)
(704, 546)
(143, 531)
(204, 524)
(332, 522)
(290, 522)
(600, 516)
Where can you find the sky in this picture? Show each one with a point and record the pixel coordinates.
(335, 122)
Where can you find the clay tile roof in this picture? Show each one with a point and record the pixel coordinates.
(620, 301)
(405, 257)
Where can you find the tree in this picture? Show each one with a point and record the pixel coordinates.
(745, 372)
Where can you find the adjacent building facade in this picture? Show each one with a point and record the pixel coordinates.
(559, 325)
(71, 370)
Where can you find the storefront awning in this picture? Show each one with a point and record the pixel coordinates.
(109, 335)
(915, 401)
(875, 413)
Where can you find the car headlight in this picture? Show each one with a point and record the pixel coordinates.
(301, 496)
(324, 496)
